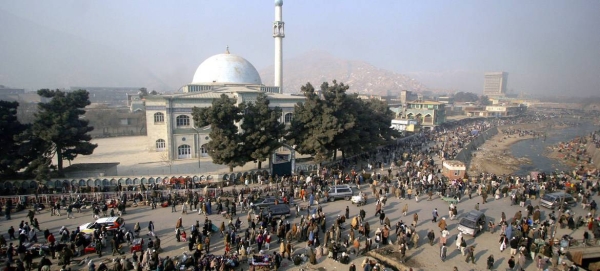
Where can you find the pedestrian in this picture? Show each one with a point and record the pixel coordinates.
(415, 219)
(490, 262)
(471, 254)
(381, 217)
(151, 229)
(540, 263)
(503, 242)
(511, 263)
(458, 240)
(405, 209)
(431, 237)
(435, 215)
(443, 251)
(477, 206)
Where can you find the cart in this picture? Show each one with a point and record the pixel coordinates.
(262, 262)
(90, 249)
(136, 245)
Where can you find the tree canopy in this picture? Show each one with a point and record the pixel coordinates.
(226, 146)
(60, 125)
(261, 129)
(465, 97)
(338, 121)
(10, 129)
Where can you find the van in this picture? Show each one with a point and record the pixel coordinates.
(472, 223)
(339, 192)
(553, 200)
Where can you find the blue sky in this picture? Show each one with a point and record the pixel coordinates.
(548, 47)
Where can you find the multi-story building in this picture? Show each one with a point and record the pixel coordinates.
(169, 117)
(495, 83)
(429, 114)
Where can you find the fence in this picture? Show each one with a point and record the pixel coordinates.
(104, 196)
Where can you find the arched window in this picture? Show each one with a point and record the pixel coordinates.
(288, 118)
(160, 145)
(184, 151)
(183, 120)
(159, 118)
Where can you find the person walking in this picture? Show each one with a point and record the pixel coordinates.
(435, 215)
(405, 209)
(415, 220)
(431, 237)
(471, 254)
(511, 263)
(151, 229)
(443, 251)
(490, 262)
(381, 217)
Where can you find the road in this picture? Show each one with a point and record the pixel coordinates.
(425, 257)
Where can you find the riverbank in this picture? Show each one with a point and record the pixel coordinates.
(580, 153)
(495, 156)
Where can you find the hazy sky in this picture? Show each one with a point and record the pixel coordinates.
(547, 46)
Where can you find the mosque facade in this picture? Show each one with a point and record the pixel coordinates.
(169, 117)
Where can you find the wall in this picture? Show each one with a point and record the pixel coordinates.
(466, 153)
(595, 154)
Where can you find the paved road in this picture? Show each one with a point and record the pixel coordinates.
(425, 257)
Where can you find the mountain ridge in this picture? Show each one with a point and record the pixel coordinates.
(317, 67)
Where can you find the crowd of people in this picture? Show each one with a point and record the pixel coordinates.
(406, 171)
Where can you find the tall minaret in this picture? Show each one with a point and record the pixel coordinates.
(278, 34)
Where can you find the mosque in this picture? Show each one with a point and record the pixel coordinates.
(169, 117)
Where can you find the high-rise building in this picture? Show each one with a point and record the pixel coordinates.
(495, 83)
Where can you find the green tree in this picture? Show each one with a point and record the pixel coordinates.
(10, 128)
(338, 121)
(313, 128)
(226, 146)
(484, 100)
(60, 124)
(465, 97)
(262, 129)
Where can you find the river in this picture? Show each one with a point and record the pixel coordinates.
(535, 149)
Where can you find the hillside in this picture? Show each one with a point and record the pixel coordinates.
(318, 67)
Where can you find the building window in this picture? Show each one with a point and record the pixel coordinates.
(456, 172)
(288, 118)
(159, 118)
(184, 151)
(428, 119)
(204, 149)
(160, 145)
(183, 120)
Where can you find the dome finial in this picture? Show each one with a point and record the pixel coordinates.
(227, 49)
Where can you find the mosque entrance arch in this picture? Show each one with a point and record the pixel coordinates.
(282, 163)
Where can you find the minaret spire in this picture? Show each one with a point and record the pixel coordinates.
(278, 34)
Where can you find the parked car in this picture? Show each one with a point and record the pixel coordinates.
(111, 224)
(264, 202)
(276, 210)
(472, 223)
(339, 192)
(553, 200)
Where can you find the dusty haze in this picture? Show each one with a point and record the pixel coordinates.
(548, 47)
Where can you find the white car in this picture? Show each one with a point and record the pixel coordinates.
(359, 199)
